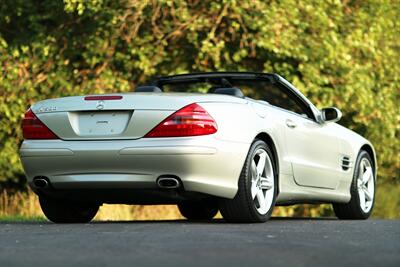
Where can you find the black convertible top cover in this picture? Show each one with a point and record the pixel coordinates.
(222, 78)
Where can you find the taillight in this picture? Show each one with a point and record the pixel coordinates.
(191, 120)
(33, 128)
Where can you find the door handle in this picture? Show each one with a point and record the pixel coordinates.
(291, 124)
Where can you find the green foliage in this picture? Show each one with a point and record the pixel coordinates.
(388, 201)
(341, 53)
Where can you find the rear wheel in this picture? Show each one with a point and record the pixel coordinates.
(257, 190)
(362, 191)
(198, 210)
(62, 211)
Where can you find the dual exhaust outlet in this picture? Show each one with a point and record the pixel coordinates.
(163, 182)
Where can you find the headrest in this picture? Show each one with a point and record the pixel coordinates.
(233, 91)
(148, 89)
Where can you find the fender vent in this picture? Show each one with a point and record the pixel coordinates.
(346, 163)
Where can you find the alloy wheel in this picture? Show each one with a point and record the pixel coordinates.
(365, 185)
(262, 181)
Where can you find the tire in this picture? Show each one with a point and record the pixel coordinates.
(61, 211)
(362, 186)
(254, 183)
(204, 210)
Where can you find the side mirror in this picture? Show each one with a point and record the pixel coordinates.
(331, 114)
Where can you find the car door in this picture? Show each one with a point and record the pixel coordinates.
(313, 150)
(311, 147)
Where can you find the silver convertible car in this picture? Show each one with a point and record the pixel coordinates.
(238, 143)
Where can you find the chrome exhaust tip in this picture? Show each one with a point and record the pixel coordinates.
(40, 182)
(168, 182)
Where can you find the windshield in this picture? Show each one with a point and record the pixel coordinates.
(255, 89)
(258, 89)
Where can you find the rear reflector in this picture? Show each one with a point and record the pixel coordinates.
(103, 97)
(191, 120)
(33, 128)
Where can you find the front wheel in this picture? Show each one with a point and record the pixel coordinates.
(62, 211)
(257, 188)
(362, 191)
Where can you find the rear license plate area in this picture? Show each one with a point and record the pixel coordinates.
(100, 123)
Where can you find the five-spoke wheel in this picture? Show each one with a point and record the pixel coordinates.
(362, 191)
(366, 185)
(257, 189)
(262, 181)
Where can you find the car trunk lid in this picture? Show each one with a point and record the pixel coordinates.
(128, 116)
(115, 116)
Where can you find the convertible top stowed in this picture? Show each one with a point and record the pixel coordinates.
(214, 77)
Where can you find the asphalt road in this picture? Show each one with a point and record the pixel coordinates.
(279, 242)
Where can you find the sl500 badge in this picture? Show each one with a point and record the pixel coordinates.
(47, 109)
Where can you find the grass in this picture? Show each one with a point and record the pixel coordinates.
(24, 206)
(20, 218)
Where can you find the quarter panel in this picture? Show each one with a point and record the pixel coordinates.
(242, 123)
(238, 122)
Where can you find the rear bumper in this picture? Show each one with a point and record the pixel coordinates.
(204, 164)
